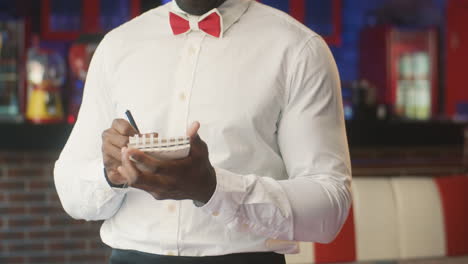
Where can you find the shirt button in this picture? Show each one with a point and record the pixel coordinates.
(171, 208)
(192, 51)
(215, 213)
(100, 197)
(182, 96)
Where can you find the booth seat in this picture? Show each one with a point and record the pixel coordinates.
(399, 220)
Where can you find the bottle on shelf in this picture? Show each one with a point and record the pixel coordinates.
(46, 75)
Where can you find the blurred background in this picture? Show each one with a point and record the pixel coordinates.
(406, 107)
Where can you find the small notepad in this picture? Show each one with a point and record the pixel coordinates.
(161, 148)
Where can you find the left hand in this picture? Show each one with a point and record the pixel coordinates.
(189, 178)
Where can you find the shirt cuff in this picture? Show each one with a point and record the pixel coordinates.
(227, 197)
(116, 186)
(104, 183)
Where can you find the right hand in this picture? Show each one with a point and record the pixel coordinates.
(113, 140)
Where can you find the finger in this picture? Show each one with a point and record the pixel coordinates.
(149, 163)
(112, 136)
(192, 130)
(198, 147)
(152, 165)
(123, 127)
(118, 140)
(115, 177)
(111, 164)
(142, 160)
(128, 169)
(155, 172)
(113, 152)
(140, 173)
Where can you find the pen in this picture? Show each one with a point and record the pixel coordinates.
(131, 120)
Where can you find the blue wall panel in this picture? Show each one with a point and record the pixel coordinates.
(355, 13)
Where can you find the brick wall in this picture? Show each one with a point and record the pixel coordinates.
(34, 228)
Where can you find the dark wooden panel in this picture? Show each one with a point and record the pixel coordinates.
(360, 134)
(33, 137)
(405, 134)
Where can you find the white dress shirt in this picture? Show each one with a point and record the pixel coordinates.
(267, 95)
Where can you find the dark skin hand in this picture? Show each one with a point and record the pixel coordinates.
(113, 140)
(198, 7)
(192, 178)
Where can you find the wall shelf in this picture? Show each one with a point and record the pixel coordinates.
(30, 137)
(405, 134)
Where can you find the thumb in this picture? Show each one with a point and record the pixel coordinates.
(192, 130)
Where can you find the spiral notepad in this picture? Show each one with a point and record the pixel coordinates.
(161, 148)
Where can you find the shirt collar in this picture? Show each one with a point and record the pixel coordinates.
(231, 11)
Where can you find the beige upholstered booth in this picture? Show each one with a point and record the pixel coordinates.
(400, 220)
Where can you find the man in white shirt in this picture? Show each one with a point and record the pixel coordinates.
(259, 95)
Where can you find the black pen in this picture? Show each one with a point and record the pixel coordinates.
(131, 120)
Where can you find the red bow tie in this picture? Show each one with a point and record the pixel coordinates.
(209, 23)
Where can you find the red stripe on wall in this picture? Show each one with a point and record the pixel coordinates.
(297, 9)
(91, 14)
(135, 8)
(343, 249)
(454, 196)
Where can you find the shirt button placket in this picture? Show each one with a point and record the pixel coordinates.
(181, 103)
(182, 97)
(192, 50)
(171, 208)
